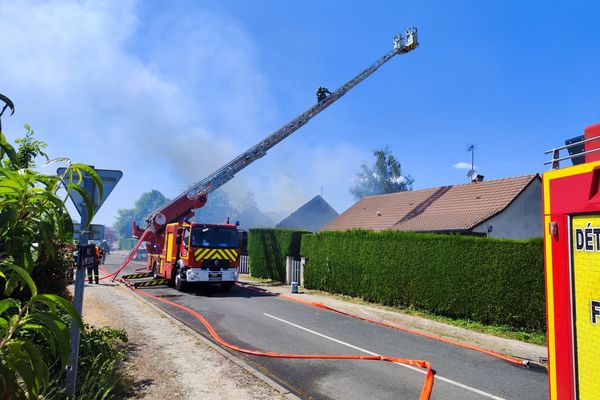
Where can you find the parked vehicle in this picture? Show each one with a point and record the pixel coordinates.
(198, 254)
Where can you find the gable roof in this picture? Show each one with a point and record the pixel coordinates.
(445, 208)
(311, 216)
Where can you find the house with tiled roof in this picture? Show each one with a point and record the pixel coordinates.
(311, 216)
(503, 208)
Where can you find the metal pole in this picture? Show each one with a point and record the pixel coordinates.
(71, 381)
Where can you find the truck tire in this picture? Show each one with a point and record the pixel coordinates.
(180, 285)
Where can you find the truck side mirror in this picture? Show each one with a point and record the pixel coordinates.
(178, 240)
(179, 231)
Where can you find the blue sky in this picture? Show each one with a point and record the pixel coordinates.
(169, 91)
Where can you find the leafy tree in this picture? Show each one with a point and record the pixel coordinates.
(122, 223)
(384, 177)
(147, 203)
(33, 220)
(143, 206)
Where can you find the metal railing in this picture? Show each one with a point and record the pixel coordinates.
(244, 265)
(556, 158)
(296, 268)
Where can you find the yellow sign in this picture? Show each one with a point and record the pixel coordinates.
(585, 270)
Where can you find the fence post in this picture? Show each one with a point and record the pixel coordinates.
(302, 262)
(289, 273)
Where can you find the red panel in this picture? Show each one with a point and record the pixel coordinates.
(574, 194)
(562, 309)
(590, 132)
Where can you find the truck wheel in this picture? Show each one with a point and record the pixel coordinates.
(226, 286)
(155, 271)
(180, 285)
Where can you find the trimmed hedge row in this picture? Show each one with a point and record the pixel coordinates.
(268, 248)
(493, 281)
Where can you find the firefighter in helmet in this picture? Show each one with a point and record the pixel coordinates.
(322, 94)
(105, 250)
(92, 272)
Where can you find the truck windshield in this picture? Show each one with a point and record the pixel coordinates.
(214, 237)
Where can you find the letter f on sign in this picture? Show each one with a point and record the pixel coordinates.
(595, 306)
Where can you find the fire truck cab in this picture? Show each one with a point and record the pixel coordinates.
(198, 254)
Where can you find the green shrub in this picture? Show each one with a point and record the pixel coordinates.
(493, 281)
(33, 222)
(268, 249)
(99, 375)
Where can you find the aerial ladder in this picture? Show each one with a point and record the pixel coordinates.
(184, 206)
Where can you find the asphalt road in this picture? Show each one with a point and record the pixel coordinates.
(258, 321)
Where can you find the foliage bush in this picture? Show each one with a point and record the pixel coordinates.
(492, 281)
(51, 271)
(33, 220)
(268, 249)
(101, 353)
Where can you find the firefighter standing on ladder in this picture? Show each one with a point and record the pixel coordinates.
(322, 94)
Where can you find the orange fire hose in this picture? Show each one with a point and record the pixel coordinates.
(410, 331)
(429, 377)
(127, 259)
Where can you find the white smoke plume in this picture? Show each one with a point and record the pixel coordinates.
(167, 100)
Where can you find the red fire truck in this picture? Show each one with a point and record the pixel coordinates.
(572, 256)
(184, 252)
(198, 253)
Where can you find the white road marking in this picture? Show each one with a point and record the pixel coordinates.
(419, 370)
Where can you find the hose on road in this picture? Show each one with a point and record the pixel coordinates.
(425, 390)
(114, 275)
(509, 359)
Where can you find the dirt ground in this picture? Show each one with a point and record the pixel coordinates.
(156, 369)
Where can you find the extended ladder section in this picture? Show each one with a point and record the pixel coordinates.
(195, 197)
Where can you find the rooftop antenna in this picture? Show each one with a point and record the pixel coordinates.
(471, 173)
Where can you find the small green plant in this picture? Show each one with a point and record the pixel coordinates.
(100, 356)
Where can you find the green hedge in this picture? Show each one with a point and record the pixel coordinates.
(269, 247)
(493, 281)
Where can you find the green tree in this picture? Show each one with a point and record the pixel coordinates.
(123, 220)
(385, 176)
(147, 203)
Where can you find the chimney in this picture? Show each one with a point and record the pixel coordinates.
(477, 178)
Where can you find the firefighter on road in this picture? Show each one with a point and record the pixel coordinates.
(105, 248)
(92, 272)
